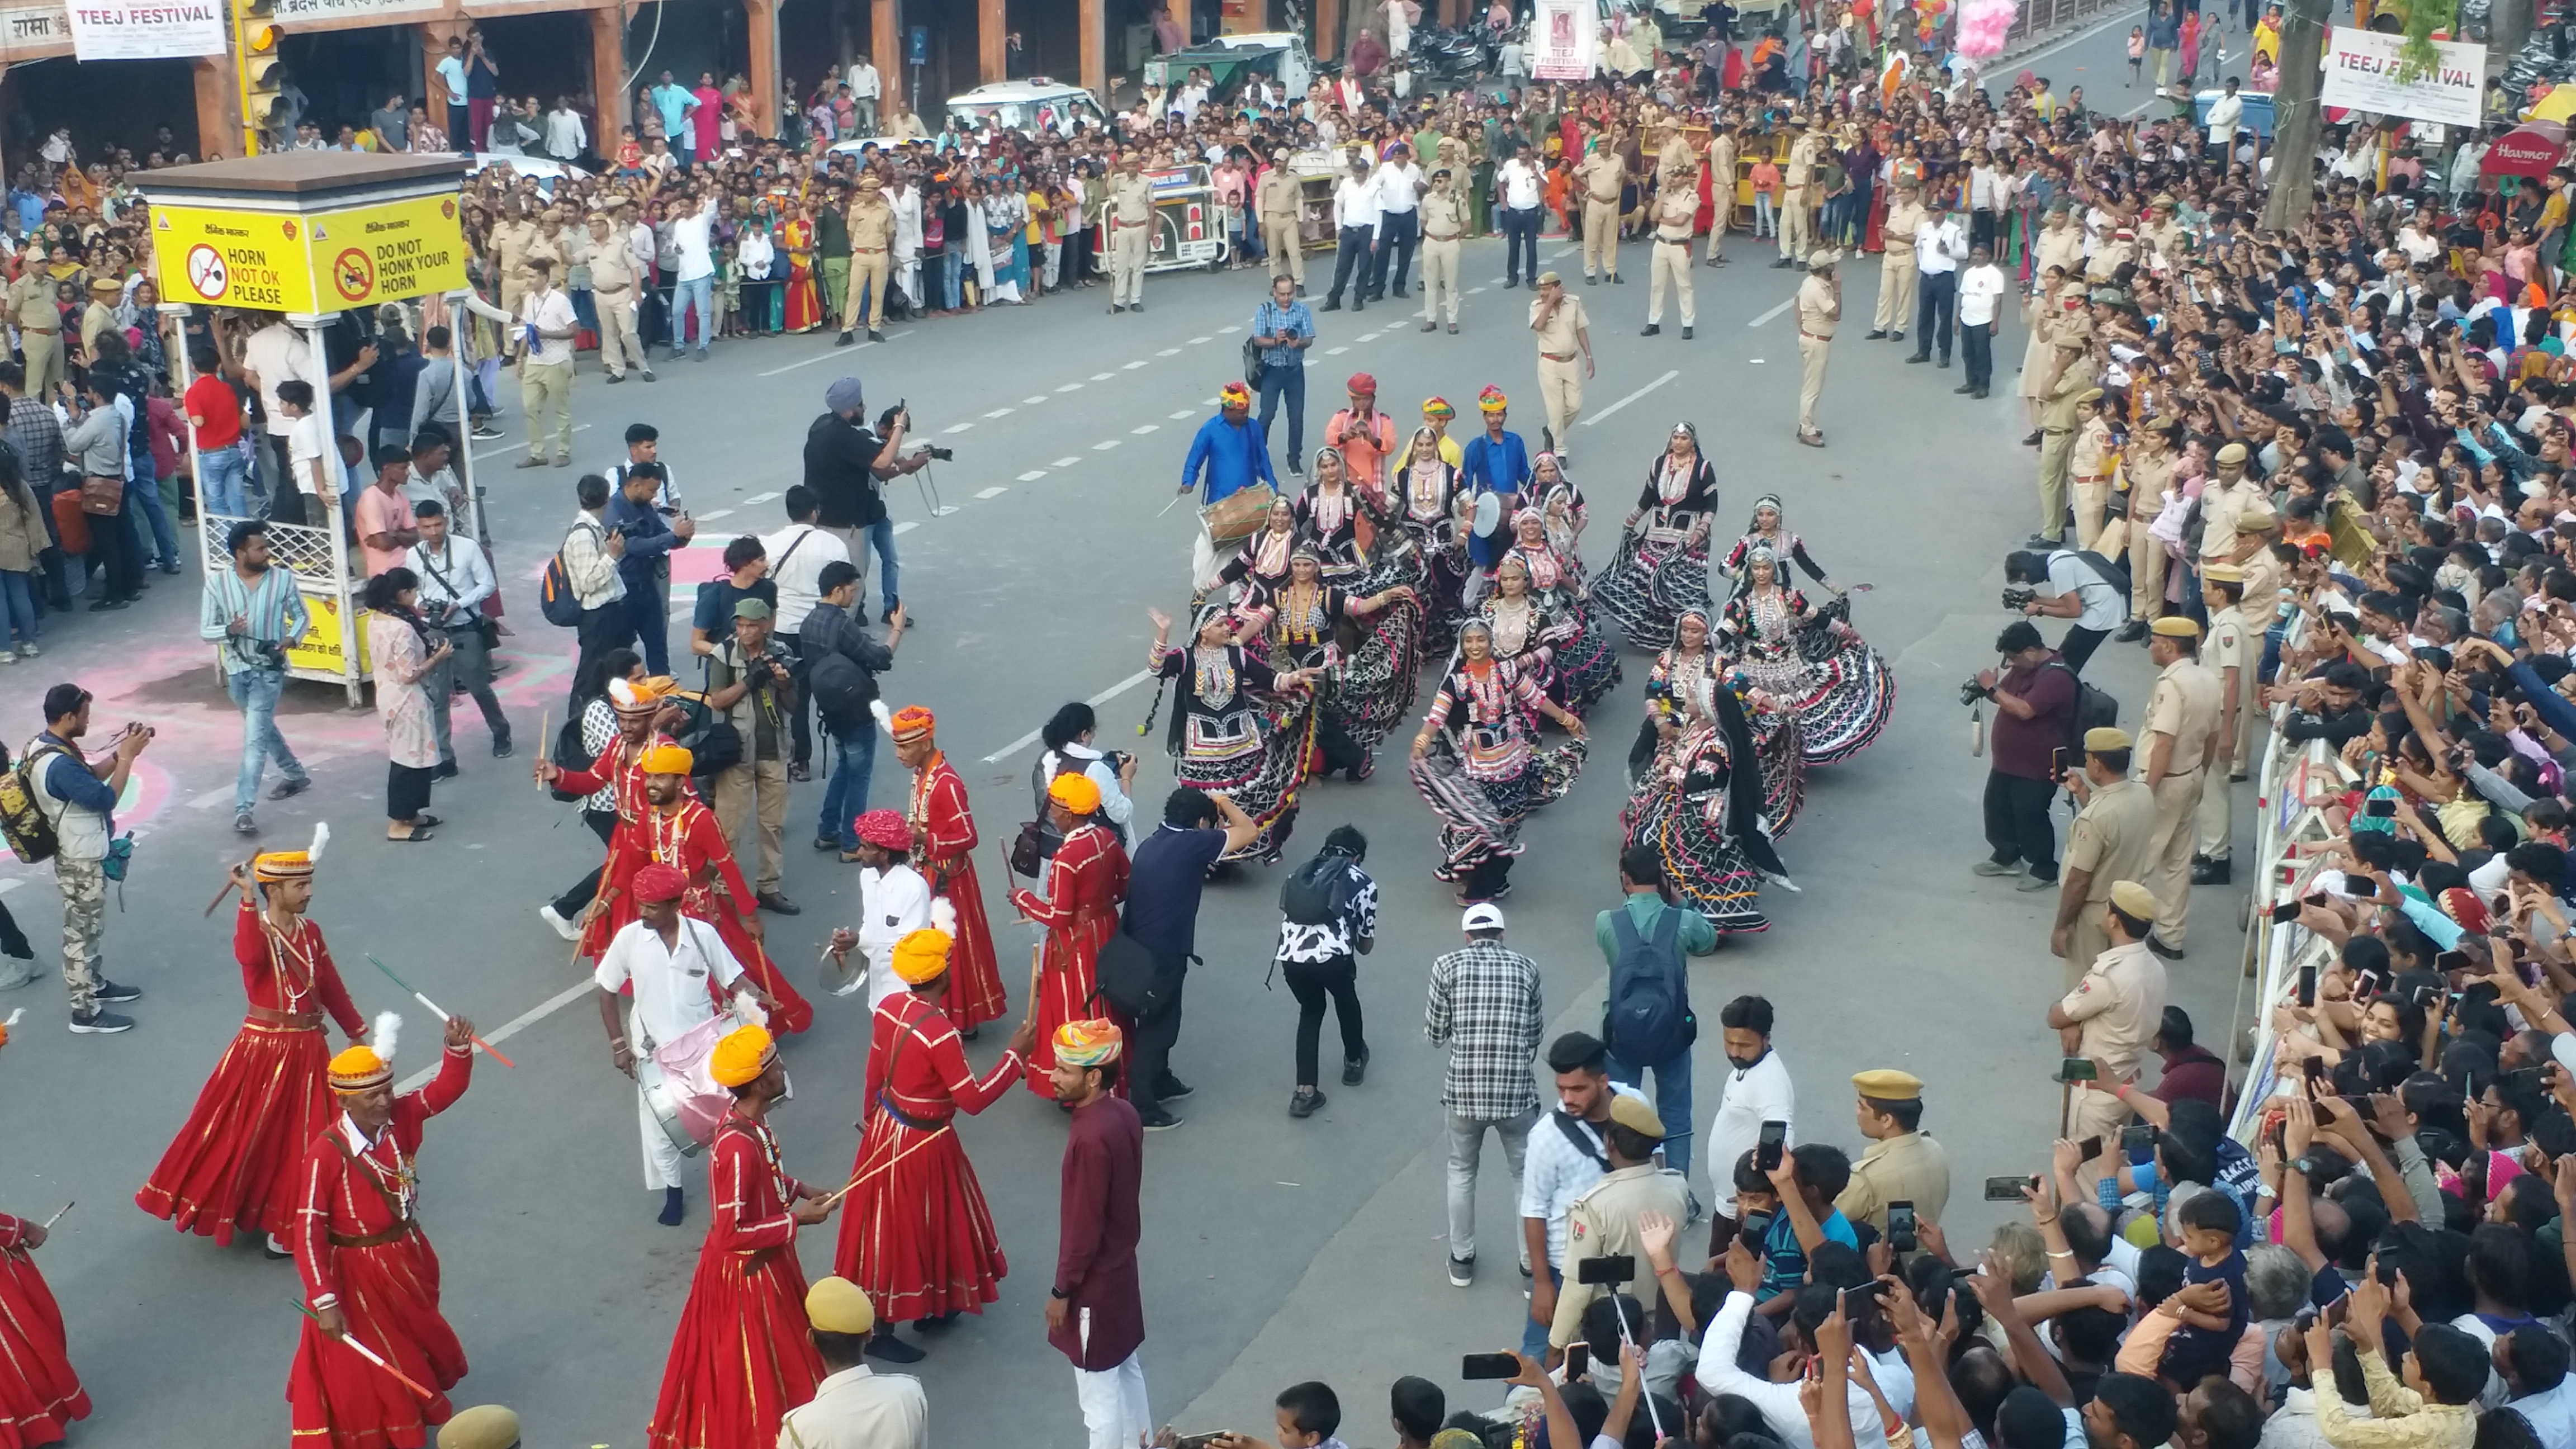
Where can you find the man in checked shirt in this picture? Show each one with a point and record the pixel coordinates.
(37, 435)
(1485, 1008)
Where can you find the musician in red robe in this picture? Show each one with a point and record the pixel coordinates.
(39, 1393)
(1085, 882)
(234, 1165)
(917, 1236)
(370, 1275)
(677, 831)
(944, 841)
(742, 1357)
(639, 706)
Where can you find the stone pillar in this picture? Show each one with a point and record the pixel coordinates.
(219, 117)
(764, 61)
(608, 78)
(886, 50)
(1095, 41)
(990, 23)
(1328, 29)
(434, 35)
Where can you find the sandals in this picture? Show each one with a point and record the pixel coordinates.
(418, 834)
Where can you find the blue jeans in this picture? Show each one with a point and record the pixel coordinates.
(700, 294)
(1533, 1332)
(845, 796)
(652, 621)
(880, 537)
(256, 691)
(17, 608)
(220, 474)
(1520, 233)
(1672, 1101)
(146, 494)
(1288, 383)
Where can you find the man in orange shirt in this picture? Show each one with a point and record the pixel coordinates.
(1364, 435)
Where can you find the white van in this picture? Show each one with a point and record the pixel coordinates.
(1035, 104)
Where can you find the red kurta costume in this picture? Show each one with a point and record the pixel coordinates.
(687, 838)
(944, 829)
(1085, 882)
(360, 1249)
(234, 1165)
(39, 1393)
(915, 1233)
(742, 1357)
(620, 768)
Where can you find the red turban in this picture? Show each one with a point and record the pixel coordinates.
(657, 883)
(885, 830)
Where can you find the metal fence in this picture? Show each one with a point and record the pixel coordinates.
(2039, 17)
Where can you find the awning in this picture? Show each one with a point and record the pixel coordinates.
(2558, 105)
(2530, 149)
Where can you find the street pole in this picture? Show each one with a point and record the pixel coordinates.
(2296, 114)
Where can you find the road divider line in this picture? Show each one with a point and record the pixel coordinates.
(956, 427)
(826, 355)
(1632, 397)
(1033, 475)
(1169, 352)
(1066, 462)
(713, 515)
(512, 1027)
(1146, 428)
(1000, 413)
(1195, 341)
(1070, 387)
(762, 498)
(1104, 446)
(1096, 701)
(507, 448)
(907, 526)
(996, 491)
(1184, 413)
(1102, 376)
(1774, 312)
(1132, 366)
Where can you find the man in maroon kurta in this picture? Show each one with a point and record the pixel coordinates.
(1095, 1312)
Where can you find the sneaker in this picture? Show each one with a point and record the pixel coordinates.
(2037, 883)
(28, 651)
(486, 431)
(100, 1023)
(8, 656)
(501, 747)
(1996, 868)
(109, 991)
(1355, 1071)
(1462, 1272)
(289, 789)
(1171, 1089)
(244, 825)
(564, 926)
(1304, 1104)
(1159, 1120)
(892, 1349)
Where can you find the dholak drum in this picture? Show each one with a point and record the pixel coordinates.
(684, 1098)
(1489, 514)
(665, 1105)
(1232, 519)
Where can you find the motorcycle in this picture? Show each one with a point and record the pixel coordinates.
(1442, 56)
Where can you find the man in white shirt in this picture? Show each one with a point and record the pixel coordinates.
(547, 327)
(1981, 290)
(1356, 216)
(1940, 245)
(455, 580)
(905, 198)
(1517, 186)
(1399, 186)
(865, 88)
(693, 276)
(797, 554)
(894, 902)
(2224, 114)
(676, 964)
(1719, 1374)
(272, 355)
(1758, 1091)
(566, 137)
(309, 496)
(1565, 1157)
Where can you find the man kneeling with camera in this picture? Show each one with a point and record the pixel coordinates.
(2064, 584)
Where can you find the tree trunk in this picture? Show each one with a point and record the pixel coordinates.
(2296, 115)
(2508, 26)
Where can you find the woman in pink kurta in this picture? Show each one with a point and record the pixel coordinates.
(398, 652)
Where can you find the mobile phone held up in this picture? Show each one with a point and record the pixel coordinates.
(1608, 1269)
(2009, 1189)
(1900, 1226)
(1489, 1366)
(1766, 1148)
(2078, 1069)
(2307, 986)
(1578, 1361)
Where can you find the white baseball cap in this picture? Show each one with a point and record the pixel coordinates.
(1482, 916)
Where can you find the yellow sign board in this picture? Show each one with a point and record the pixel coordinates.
(324, 261)
(319, 650)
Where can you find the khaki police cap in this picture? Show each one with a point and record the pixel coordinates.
(2106, 737)
(2175, 626)
(1633, 1114)
(2133, 900)
(1886, 1084)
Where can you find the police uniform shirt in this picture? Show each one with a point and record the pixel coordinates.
(2184, 705)
(1602, 172)
(2224, 649)
(2118, 1007)
(1131, 199)
(1907, 1168)
(1556, 336)
(2109, 836)
(1815, 307)
(1554, 1172)
(1601, 1222)
(1444, 218)
(860, 1408)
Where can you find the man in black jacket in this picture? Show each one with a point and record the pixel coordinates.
(844, 461)
(841, 667)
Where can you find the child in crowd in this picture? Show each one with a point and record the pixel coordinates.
(1766, 197)
(2207, 1338)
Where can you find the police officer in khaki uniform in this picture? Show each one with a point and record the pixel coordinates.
(871, 225)
(2114, 1010)
(2163, 230)
(2061, 393)
(1797, 197)
(1897, 272)
(1676, 208)
(855, 1404)
(1601, 175)
(1722, 151)
(2181, 732)
(1131, 218)
(2115, 822)
(2222, 499)
(1444, 221)
(2089, 465)
(1902, 1163)
(1601, 1222)
(40, 330)
(2231, 652)
(1820, 311)
(1275, 203)
(98, 314)
(1563, 332)
(613, 293)
(2146, 466)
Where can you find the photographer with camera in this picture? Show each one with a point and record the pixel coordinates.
(455, 579)
(2034, 699)
(2064, 584)
(844, 463)
(254, 611)
(77, 795)
(750, 687)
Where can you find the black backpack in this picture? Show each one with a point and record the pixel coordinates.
(1316, 893)
(569, 755)
(1646, 1017)
(2094, 709)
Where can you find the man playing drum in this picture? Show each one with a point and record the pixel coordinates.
(675, 966)
(1235, 459)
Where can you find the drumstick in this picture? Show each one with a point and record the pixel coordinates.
(1176, 498)
(433, 1008)
(228, 889)
(366, 1353)
(58, 1217)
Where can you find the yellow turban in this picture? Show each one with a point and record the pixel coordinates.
(640, 697)
(742, 1056)
(1088, 1043)
(837, 1305)
(485, 1426)
(922, 956)
(1076, 793)
(278, 865)
(358, 1069)
(667, 760)
(911, 722)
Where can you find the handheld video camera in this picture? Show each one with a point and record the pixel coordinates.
(885, 424)
(2017, 595)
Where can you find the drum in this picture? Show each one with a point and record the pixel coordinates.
(665, 1106)
(685, 1099)
(1233, 518)
(1489, 514)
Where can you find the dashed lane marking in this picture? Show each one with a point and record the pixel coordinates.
(1096, 701)
(996, 491)
(1033, 475)
(1632, 397)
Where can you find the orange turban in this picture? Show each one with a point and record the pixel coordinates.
(1234, 395)
(1088, 1043)
(1076, 793)
(642, 697)
(370, 1063)
(667, 760)
(281, 865)
(911, 722)
(922, 956)
(740, 1058)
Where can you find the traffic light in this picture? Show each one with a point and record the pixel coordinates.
(263, 101)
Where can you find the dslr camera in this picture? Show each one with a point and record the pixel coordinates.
(885, 424)
(1972, 694)
(2017, 595)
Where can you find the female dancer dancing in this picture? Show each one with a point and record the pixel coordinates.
(1298, 627)
(1586, 667)
(1488, 772)
(1701, 811)
(1223, 737)
(1811, 659)
(1662, 570)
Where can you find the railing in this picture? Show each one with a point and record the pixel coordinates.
(2292, 784)
(2039, 17)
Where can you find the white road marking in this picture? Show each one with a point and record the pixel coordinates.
(1754, 360)
(999, 413)
(944, 512)
(1102, 376)
(1070, 387)
(1147, 428)
(1335, 351)
(1096, 701)
(823, 356)
(762, 498)
(1131, 367)
(1774, 312)
(1367, 337)
(507, 448)
(1030, 402)
(711, 517)
(1103, 447)
(207, 801)
(996, 491)
(956, 427)
(1033, 475)
(1169, 352)
(1195, 341)
(1066, 462)
(512, 1027)
(1632, 397)
(1227, 331)
(1183, 413)
(905, 527)
(1473, 291)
